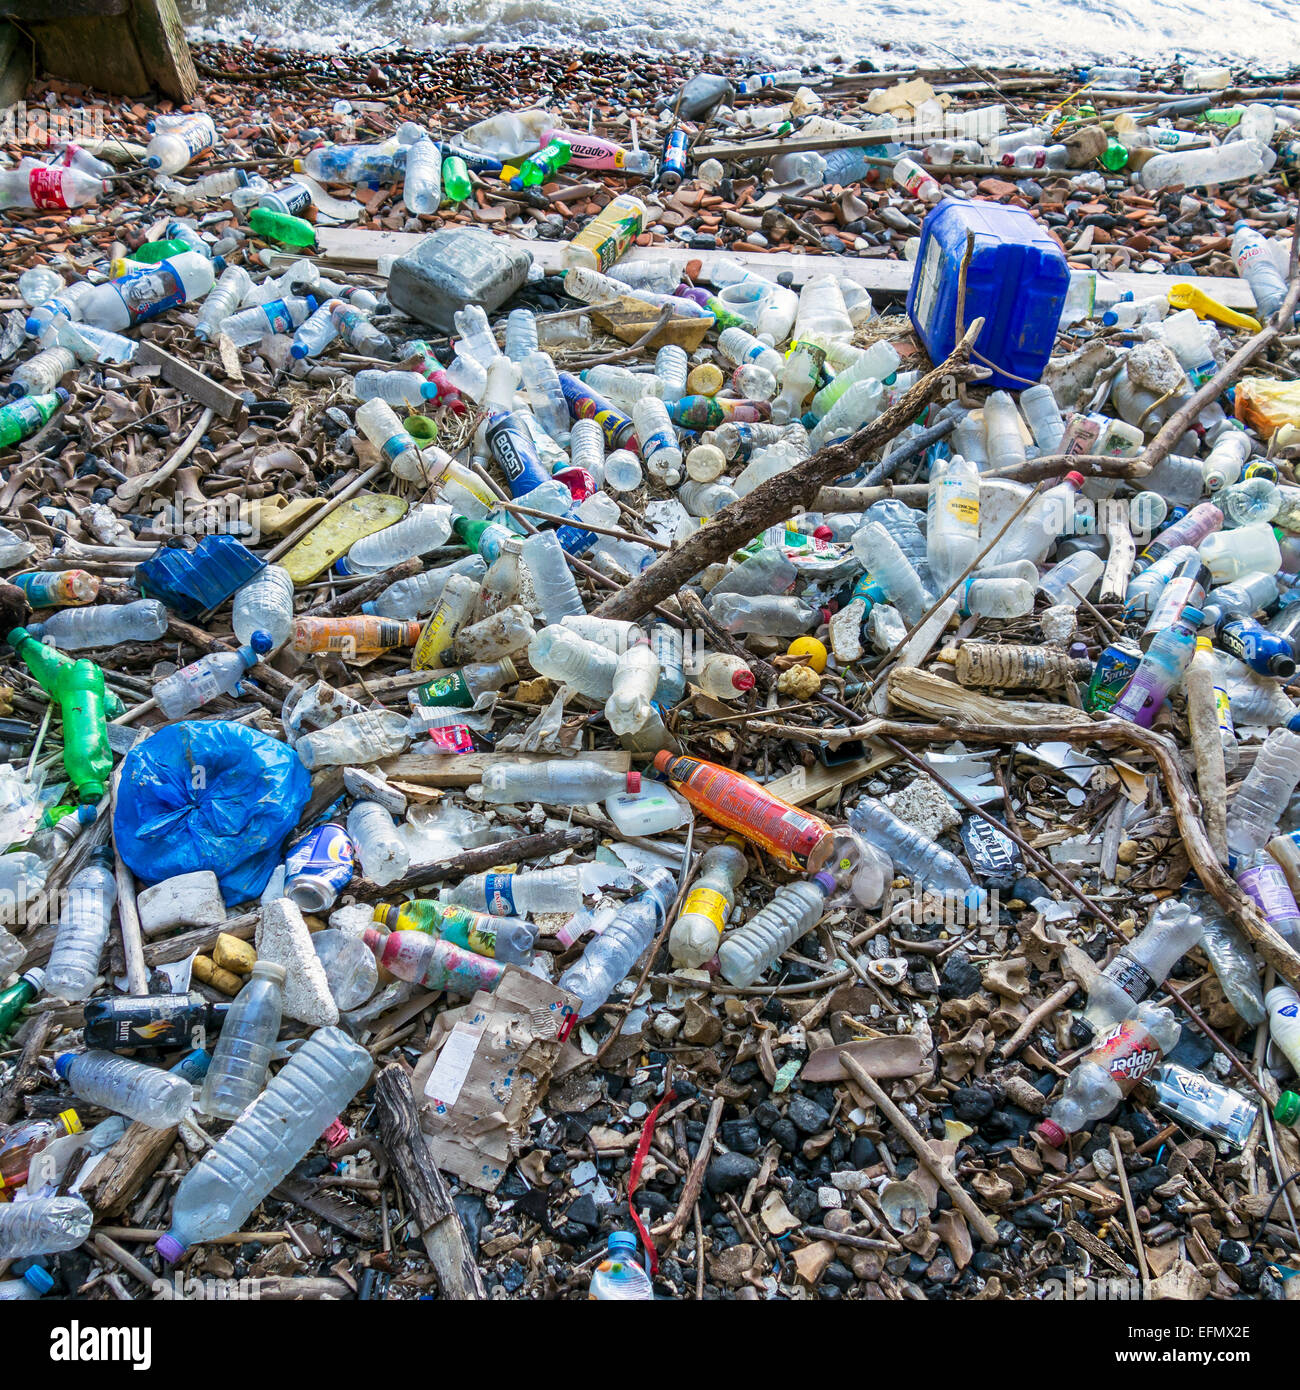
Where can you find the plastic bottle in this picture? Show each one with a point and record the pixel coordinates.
(1221, 164)
(1261, 798)
(1142, 964)
(241, 1059)
(222, 302)
(1283, 1023)
(927, 864)
(177, 139)
(541, 384)
(34, 1283)
(1256, 266)
(769, 616)
(1004, 442)
(1127, 1053)
(1043, 522)
(1234, 963)
(953, 512)
(217, 1195)
(553, 583)
(39, 375)
(423, 529)
(1262, 878)
(883, 559)
(795, 908)
(355, 739)
(411, 598)
(21, 1143)
(422, 184)
(352, 635)
(795, 839)
(202, 681)
(380, 848)
(154, 1097)
(724, 677)
(105, 625)
(43, 1226)
(609, 957)
(1160, 671)
(584, 666)
(146, 293)
(1223, 465)
(698, 929)
(82, 929)
(375, 419)
(619, 1277)
(431, 962)
(265, 604)
(564, 782)
(635, 678)
(66, 303)
(249, 326)
(517, 895)
(1200, 1104)
(34, 185)
(57, 588)
(658, 439)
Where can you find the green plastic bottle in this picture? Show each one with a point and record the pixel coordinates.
(279, 226)
(1115, 156)
(154, 251)
(15, 999)
(484, 537)
(78, 689)
(21, 419)
(541, 164)
(456, 186)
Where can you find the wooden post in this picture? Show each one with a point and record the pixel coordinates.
(126, 47)
(16, 60)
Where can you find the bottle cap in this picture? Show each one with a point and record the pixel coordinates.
(1203, 644)
(634, 781)
(1075, 478)
(64, 1062)
(261, 642)
(1287, 1109)
(1193, 615)
(36, 976)
(269, 970)
(826, 882)
(39, 1279)
(622, 1240)
(336, 1133)
(169, 1248)
(1051, 1133)
(71, 1121)
(742, 680)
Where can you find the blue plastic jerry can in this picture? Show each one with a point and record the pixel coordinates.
(1016, 282)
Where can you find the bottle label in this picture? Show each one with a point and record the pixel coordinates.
(963, 509)
(1125, 972)
(46, 187)
(278, 316)
(203, 684)
(151, 292)
(499, 895)
(436, 637)
(1223, 712)
(1142, 698)
(451, 738)
(707, 902)
(660, 439)
(447, 690)
(1267, 884)
(1128, 1052)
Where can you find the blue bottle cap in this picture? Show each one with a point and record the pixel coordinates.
(1193, 615)
(39, 1279)
(622, 1240)
(63, 1063)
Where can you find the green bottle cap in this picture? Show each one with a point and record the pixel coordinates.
(1287, 1109)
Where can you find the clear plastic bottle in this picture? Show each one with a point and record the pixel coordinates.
(766, 615)
(541, 384)
(669, 650)
(858, 406)
(516, 895)
(1250, 501)
(671, 367)
(202, 681)
(609, 957)
(422, 529)
(660, 450)
(412, 598)
(223, 301)
(636, 678)
(422, 183)
(928, 865)
(402, 390)
(1262, 878)
(82, 929)
(35, 1283)
(217, 1195)
(586, 667)
(953, 512)
(241, 1058)
(560, 782)
(1040, 409)
(1283, 1005)
(356, 738)
(376, 420)
(265, 604)
(587, 447)
(249, 326)
(65, 303)
(43, 1226)
(1261, 798)
(1203, 1105)
(767, 572)
(1071, 580)
(619, 1277)
(506, 939)
(1119, 1060)
(1221, 164)
(154, 1097)
(177, 139)
(1048, 517)
(434, 962)
(521, 334)
(1222, 466)
(882, 558)
(381, 850)
(750, 951)
(822, 317)
(105, 625)
(1003, 441)
(1142, 964)
(698, 929)
(1233, 961)
(39, 375)
(724, 677)
(311, 338)
(1256, 266)
(553, 584)
(996, 598)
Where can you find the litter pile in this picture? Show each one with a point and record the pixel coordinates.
(618, 758)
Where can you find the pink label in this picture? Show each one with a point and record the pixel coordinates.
(46, 187)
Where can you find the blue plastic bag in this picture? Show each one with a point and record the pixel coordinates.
(209, 795)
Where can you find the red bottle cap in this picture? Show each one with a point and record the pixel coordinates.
(823, 533)
(634, 782)
(1052, 1133)
(1075, 478)
(742, 680)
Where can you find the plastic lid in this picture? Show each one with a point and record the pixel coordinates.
(1281, 665)
(634, 781)
(1110, 318)
(169, 1248)
(826, 882)
(622, 1240)
(261, 641)
(1051, 1133)
(742, 680)
(371, 937)
(1193, 615)
(1287, 1109)
(39, 1279)
(154, 161)
(1076, 478)
(269, 970)
(36, 976)
(64, 1062)
(1203, 644)
(71, 1121)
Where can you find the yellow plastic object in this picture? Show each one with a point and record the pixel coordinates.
(1185, 296)
(1266, 405)
(811, 648)
(339, 531)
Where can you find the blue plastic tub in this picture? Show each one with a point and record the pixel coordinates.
(1016, 282)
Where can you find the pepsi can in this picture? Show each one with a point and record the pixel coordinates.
(318, 867)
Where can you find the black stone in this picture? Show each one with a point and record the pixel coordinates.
(960, 978)
(741, 1136)
(730, 1173)
(807, 1116)
(584, 1212)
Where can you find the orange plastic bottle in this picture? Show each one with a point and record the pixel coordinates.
(794, 838)
(357, 635)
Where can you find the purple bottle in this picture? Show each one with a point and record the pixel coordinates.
(1160, 670)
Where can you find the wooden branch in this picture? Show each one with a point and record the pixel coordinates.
(126, 1167)
(26, 1079)
(199, 385)
(427, 1197)
(474, 861)
(695, 1178)
(961, 1199)
(764, 672)
(780, 497)
(351, 599)
(1049, 1006)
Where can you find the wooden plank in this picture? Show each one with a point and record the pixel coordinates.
(360, 250)
(97, 50)
(464, 769)
(160, 37)
(809, 784)
(51, 11)
(16, 56)
(181, 375)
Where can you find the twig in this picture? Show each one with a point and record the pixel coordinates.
(1138, 1247)
(695, 1178)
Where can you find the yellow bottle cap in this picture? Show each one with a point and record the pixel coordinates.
(71, 1121)
(1203, 644)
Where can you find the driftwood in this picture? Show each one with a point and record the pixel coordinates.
(126, 1167)
(780, 497)
(428, 1199)
(26, 1077)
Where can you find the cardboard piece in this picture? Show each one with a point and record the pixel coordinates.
(487, 1070)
